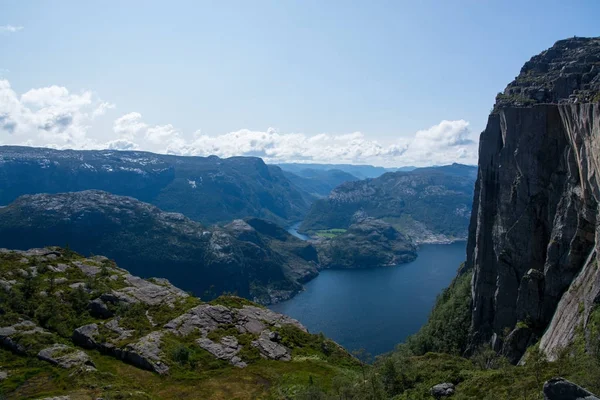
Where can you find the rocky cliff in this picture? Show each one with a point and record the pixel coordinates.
(533, 237)
(265, 263)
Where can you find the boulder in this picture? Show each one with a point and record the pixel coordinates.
(562, 389)
(99, 309)
(271, 349)
(146, 353)
(9, 335)
(227, 349)
(3, 375)
(66, 357)
(252, 318)
(152, 293)
(204, 318)
(89, 270)
(85, 336)
(442, 390)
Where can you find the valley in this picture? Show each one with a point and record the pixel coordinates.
(134, 275)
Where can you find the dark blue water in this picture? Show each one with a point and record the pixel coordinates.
(376, 309)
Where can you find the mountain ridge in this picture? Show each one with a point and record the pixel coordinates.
(145, 239)
(429, 204)
(206, 189)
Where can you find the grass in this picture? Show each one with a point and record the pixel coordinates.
(114, 379)
(329, 233)
(233, 302)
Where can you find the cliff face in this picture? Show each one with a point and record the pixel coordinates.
(533, 236)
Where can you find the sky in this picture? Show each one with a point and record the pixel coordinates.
(389, 83)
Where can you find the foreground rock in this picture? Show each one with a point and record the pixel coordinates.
(267, 344)
(66, 357)
(14, 337)
(74, 304)
(442, 390)
(226, 349)
(562, 389)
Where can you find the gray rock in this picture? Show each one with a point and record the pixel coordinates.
(204, 318)
(3, 375)
(7, 285)
(442, 390)
(85, 336)
(89, 270)
(253, 319)
(151, 293)
(59, 268)
(226, 349)
(66, 357)
(146, 353)
(99, 309)
(114, 326)
(78, 285)
(534, 242)
(562, 389)
(271, 349)
(516, 343)
(9, 335)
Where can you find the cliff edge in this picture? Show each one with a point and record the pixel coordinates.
(533, 237)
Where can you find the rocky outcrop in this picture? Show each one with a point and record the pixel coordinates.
(269, 346)
(66, 357)
(562, 389)
(442, 390)
(533, 238)
(11, 337)
(226, 349)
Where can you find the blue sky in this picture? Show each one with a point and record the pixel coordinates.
(380, 82)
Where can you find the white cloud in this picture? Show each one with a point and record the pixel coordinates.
(449, 141)
(54, 117)
(129, 125)
(121, 144)
(49, 116)
(10, 28)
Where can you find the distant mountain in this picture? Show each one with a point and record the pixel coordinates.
(206, 189)
(319, 182)
(428, 204)
(255, 259)
(359, 171)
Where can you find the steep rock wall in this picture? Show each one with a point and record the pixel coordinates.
(533, 236)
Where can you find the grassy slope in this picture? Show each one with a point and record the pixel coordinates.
(196, 375)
